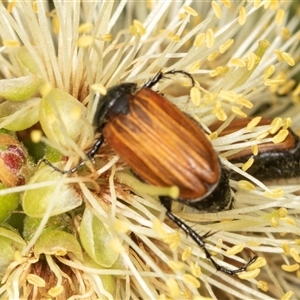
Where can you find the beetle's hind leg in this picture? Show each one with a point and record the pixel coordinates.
(89, 156)
(199, 240)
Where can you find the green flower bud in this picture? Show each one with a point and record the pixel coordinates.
(95, 239)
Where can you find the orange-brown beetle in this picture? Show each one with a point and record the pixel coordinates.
(273, 161)
(164, 147)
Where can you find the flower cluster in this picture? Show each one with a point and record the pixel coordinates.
(100, 233)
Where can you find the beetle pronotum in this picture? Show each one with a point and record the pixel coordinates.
(164, 147)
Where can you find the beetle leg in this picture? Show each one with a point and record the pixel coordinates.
(154, 80)
(181, 72)
(199, 240)
(89, 156)
(160, 75)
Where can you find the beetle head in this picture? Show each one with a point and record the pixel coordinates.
(115, 102)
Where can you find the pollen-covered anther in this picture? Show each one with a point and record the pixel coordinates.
(172, 240)
(246, 185)
(260, 262)
(252, 60)
(236, 110)
(186, 253)
(224, 47)
(235, 249)
(121, 226)
(173, 287)
(279, 16)
(244, 102)
(195, 269)
(36, 280)
(274, 194)
(195, 95)
(249, 274)
(55, 291)
(295, 254)
(269, 71)
(36, 135)
(85, 27)
(116, 246)
(262, 135)
(219, 112)
(282, 212)
(286, 123)
(296, 91)
(289, 220)
(227, 3)
(175, 38)
(288, 58)
(11, 43)
(217, 10)
(274, 222)
(242, 16)
(248, 164)
(238, 62)
(210, 38)
(229, 96)
(275, 125)
(253, 123)
(85, 41)
(107, 37)
(140, 29)
(285, 33)
(190, 11)
(55, 24)
(256, 3)
(290, 268)
(212, 56)
(195, 66)
(287, 295)
(191, 280)
(262, 285)
(175, 265)
(280, 136)
(99, 88)
(199, 40)
(287, 87)
(215, 72)
(158, 228)
(286, 248)
(254, 150)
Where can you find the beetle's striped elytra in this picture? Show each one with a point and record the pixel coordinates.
(164, 147)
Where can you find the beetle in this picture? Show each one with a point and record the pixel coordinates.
(273, 161)
(163, 147)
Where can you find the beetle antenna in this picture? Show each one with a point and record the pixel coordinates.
(89, 156)
(200, 242)
(160, 75)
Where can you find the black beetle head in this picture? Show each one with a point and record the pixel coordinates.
(115, 102)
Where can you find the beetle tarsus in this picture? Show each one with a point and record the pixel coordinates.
(89, 156)
(199, 240)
